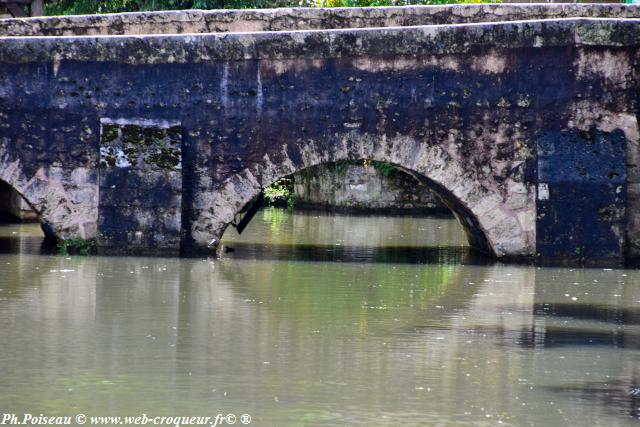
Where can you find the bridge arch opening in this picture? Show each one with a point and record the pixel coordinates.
(498, 214)
(14, 207)
(23, 230)
(475, 235)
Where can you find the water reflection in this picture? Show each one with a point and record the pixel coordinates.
(25, 238)
(319, 343)
(281, 227)
(356, 254)
(323, 237)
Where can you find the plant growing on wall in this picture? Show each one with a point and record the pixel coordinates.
(280, 193)
(74, 246)
(385, 169)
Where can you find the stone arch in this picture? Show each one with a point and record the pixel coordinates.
(499, 218)
(58, 197)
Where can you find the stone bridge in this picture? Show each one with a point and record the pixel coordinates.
(150, 132)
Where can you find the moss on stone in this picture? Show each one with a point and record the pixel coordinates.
(154, 135)
(175, 135)
(165, 157)
(107, 156)
(132, 134)
(132, 155)
(109, 133)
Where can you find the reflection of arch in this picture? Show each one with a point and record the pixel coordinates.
(60, 199)
(493, 221)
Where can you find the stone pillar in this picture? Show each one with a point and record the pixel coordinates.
(140, 179)
(581, 195)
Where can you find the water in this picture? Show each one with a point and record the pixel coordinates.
(350, 333)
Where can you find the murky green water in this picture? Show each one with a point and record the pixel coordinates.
(320, 320)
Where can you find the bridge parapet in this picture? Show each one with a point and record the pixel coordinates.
(295, 19)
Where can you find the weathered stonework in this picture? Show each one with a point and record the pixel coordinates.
(140, 182)
(296, 19)
(463, 107)
(358, 187)
(578, 175)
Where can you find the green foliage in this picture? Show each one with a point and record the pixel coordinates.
(74, 246)
(385, 169)
(291, 201)
(78, 7)
(370, 3)
(81, 7)
(280, 193)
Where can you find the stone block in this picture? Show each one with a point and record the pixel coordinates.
(140, 176)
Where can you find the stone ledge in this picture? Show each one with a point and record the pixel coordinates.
(412, 42)
(288, 19)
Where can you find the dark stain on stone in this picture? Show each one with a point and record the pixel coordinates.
(165, 157)
(132, 134)
(109, 133)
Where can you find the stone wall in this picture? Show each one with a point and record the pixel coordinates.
(356, 187)
(479, 111)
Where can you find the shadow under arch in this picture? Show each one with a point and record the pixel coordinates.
(16, 209)
(472, 229)
(491, 226)
(14, 205)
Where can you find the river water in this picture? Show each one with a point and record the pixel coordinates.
(311, 319)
